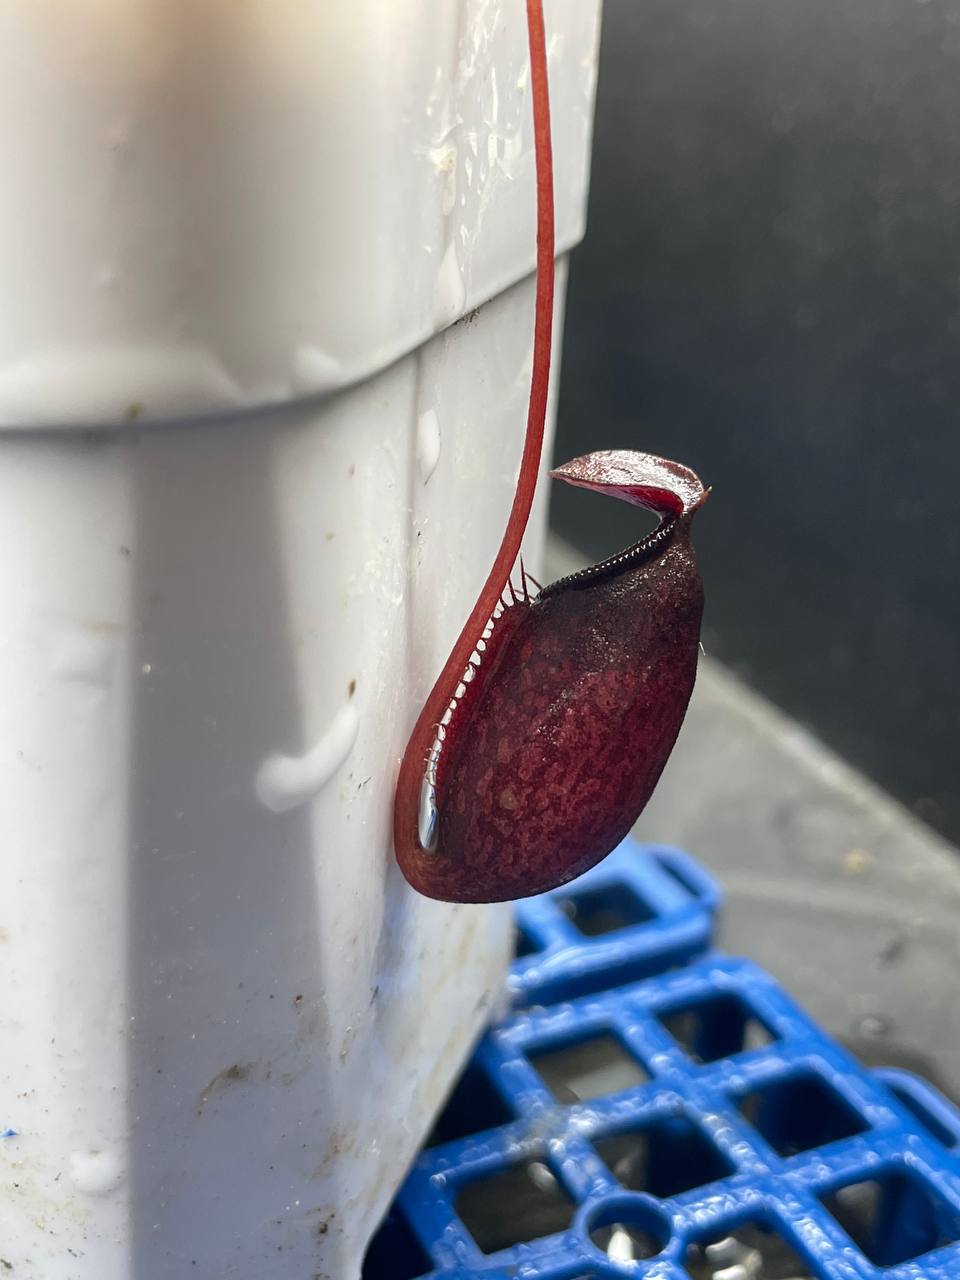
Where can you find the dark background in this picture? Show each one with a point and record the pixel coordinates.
(770, 292)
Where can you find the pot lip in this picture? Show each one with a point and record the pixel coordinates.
(269, 408)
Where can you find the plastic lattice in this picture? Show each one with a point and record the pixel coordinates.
(644, 909)
(692, 1124)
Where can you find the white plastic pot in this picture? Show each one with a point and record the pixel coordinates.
(251, 476)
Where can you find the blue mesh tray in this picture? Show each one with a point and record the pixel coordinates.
(693, 1124)
(642, 910)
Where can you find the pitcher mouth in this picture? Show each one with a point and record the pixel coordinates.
(653, 544)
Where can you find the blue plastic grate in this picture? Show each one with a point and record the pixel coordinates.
(644, 909)
(688, 1125)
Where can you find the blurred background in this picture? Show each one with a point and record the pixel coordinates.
(770, 291)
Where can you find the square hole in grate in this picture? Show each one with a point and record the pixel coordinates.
(599, 911)
(473, 1107)
(678, 875)
(395, 1253)
(522, 1203)
(716, 1027)
(929, 1122)
(664, 1157)
(524, 944)
(894, 1217)
(799, 1113)
(591, 1068)
(753, 1251)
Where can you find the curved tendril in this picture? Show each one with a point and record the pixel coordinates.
(415, 816)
